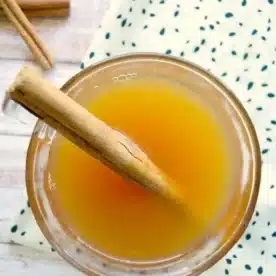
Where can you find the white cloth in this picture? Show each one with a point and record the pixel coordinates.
(235, 41)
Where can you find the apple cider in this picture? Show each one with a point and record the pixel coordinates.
(182, 136)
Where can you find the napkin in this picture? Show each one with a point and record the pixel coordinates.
(232, 39)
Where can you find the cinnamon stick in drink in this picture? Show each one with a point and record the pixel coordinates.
(94, 136)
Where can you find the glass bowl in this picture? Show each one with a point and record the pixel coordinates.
(224, 234)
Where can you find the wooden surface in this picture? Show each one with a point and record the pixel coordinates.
(69, 40)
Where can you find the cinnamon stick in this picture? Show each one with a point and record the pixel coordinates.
(43, 12)
(92, 135)
(25, 28)
(34, 8)
(43, 4)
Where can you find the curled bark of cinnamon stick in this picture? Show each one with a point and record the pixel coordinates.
(43, 12)
(94, 136)
(25, 28)
(38, 8)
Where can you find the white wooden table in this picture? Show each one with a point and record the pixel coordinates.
(68, 39)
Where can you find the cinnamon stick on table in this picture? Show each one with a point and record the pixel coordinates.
(44, 7)
(25, 28)
(94, 136)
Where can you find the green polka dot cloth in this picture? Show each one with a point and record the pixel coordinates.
(236, 41)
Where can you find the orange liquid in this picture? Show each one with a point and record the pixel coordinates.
(182, 137)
